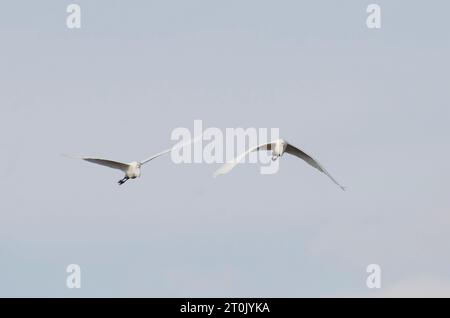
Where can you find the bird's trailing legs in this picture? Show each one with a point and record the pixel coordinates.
(122, 181)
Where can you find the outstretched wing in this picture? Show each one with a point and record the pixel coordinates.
(176, 147)
(228, 166)
(310, 160)
(108, 163)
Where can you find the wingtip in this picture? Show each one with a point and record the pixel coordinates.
(74, 157)
(221, 171)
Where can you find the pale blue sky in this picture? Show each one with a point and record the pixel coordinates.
(371, 105)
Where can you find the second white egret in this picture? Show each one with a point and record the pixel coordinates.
(278, 148)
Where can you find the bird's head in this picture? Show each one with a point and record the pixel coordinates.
(280, 147)
(136, 164)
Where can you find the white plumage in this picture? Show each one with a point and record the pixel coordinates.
(132, 170)
(278, 148)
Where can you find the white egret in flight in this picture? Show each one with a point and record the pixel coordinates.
(132, 170)
(278, 148)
